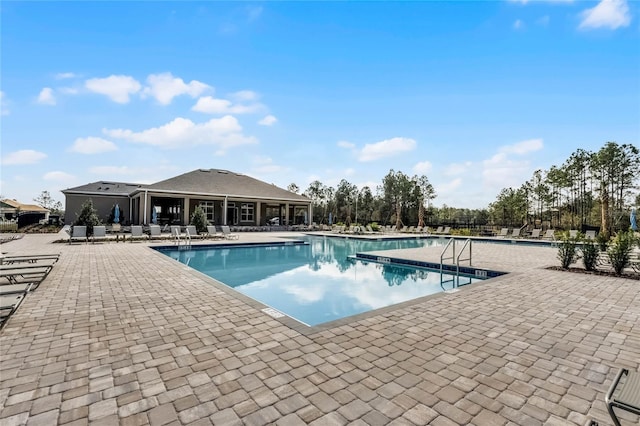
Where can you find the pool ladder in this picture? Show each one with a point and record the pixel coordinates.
(187, 238)
(456, 259)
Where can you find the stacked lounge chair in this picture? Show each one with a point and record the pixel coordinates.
(19, 275)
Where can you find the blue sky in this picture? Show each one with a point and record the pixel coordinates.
(474, 95)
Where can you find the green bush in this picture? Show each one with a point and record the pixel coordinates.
(199, 220)
(375, 227)
(590, 254)
(603, 241)
(88, 216)
(567, 250)
(619, 251)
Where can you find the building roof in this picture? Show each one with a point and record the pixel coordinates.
(13, 204)
(224, 183)
(105, 188)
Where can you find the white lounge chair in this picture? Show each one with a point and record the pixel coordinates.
(136, 233)
(78, 232)
(227, 233)
(192, 231)
(99, 233)
(213, 233)
(590, 235)
(535, 233)
(550, 234)
(155, 231)
(573, 233)
(503, 233)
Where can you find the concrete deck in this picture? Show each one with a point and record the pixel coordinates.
(120, 334)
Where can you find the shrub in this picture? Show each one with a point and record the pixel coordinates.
(375, 226)
(199, 220)
(567, 251)
(88, 216)
(590, 254)
(603, 241)
(619, 251)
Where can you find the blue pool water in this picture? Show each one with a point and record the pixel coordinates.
(316, 282)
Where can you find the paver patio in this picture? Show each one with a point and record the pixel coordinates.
(121, 334)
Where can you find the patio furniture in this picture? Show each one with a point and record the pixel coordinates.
(590, 235)
(192, 232)
(573, 233)
(136, 233)
(78, 232)
(503, 233)
(550, 235)
(99, 232)
(624, 393)
(9, 303)
(28, 258)
(155, 231)
(213, 233)
(535, 233)
(227, 233)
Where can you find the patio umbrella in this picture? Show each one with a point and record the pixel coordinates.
(304, 213)
(116, 214)
(634, 220)
(154, 216)
(330, 218)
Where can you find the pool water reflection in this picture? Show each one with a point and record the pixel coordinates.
(315, 282)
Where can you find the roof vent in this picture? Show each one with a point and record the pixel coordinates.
(224, 172)
(205, 170)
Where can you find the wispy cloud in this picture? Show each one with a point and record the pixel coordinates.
(22, 157)
(164, 87)
(611, 14)
(423, 167)
(223, 133)
(268, 120)
(92, 145)
(65, 75)
(502, 170)
(386, 148)
(524, 147)
(46, 97)
(118, 88)
(518, 24)
(211, 105)
(58, 176)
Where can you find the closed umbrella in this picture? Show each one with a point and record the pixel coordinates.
(634, 220)
(330, 218)
(116, 214)
(154, 216)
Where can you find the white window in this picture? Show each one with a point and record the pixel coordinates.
(246, 212)
(207, 207)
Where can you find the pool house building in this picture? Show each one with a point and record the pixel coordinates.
(227, 198)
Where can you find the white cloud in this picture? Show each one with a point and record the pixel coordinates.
(112, 170)
(245, 96)
(610, 14)
(518, 24)
(386, 148)
(265, 165)
(46, 97)
(211, 105)
(58, 176)
(24, 156)
(422, 167)
(4, 109)
(68, 90)
(523, 147)
(65, 75)
(117, 87)
(501, 172)
(455, 169)
(164, 87)
(92, 145)
(268, 120)
(346, 145)
(223, 133)
(447, 187)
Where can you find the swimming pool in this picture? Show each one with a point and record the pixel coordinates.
(314, 280)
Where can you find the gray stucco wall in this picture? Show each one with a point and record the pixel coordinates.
(103, 204)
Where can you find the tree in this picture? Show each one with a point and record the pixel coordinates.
(397, 190)
(426, 193)
(199, 219)
(88, 216)
(293, 188)
(45, 200)
(345, 197)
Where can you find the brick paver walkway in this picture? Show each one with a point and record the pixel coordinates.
(120, 334)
